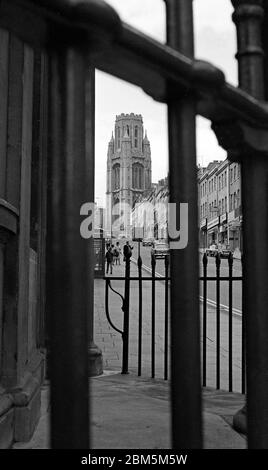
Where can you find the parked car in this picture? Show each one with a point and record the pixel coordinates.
(212, 250)
(223, 250)
(160, 249)
(147, 242)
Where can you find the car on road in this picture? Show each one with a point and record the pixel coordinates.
(212, 250)
(160, 249)
(223, 250)
(147, 242)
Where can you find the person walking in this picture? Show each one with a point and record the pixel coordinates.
(109, 260)
(117, 253)
(127, 250)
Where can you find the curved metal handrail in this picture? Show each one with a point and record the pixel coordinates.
(108, 285)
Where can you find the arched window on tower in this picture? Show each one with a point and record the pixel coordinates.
(137, 176)
(136, 137)
(116, 176)
(118, 137)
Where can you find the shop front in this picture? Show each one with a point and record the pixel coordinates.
(223, 232)
(213, 231)
(203, 234)
(235, 230)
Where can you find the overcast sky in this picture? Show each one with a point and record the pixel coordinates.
(215, 41)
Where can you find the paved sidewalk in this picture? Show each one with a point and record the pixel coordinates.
(134, 413)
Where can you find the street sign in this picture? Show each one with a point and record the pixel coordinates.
(138, 233)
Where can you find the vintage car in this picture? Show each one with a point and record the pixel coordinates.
(223, 250)
(160, 249)
(147, 242)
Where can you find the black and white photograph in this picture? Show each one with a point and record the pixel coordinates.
(133, 231)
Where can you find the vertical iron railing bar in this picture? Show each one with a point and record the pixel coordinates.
(243, 342)
(184, 262)
(230, 339)
(166, 327)
(126, 318)
(248, 17)
(140, 316)
(67, 261)
(153, 320)
(218, 320)
(205, 263)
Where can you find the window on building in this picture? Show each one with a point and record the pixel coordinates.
(220, 207)
(238, 198)
(231, 202)
(116, 176)
(137, 176)
(235, 173)
(136, 137)
(215, 183)
(219, 183)
(231, 175)
(225, 204)
(225, 178)
(118, 137)
(234, 200)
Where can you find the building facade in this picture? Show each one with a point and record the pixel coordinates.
(23, 186)
(220, 211)
(219, 200)
(129, 173)
(151, 211)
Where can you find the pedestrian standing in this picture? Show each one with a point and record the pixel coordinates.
(117, 253)
(109, 260)
(127, 250)
(113, 252)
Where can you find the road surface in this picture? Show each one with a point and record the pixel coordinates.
(116, 313)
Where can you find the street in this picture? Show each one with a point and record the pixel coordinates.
(111, 343)
(145, 253)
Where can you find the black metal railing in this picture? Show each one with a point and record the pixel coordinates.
(127, 279)
(216, 280)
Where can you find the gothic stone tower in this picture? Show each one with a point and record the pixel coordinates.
(128, 170)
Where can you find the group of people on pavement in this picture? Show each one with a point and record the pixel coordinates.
(113, 254)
